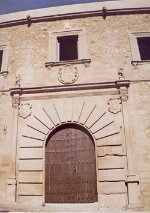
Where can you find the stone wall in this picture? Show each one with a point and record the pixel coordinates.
(108, 47)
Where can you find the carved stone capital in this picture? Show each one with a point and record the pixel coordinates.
(132, 179)
(15, 103)
(124, 97)
(123, 92)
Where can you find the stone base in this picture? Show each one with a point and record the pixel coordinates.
(134, 207)
(11, 190)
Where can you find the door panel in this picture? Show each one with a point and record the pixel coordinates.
(70, 166)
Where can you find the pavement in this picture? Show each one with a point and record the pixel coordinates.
(85, 207)
(89, 207)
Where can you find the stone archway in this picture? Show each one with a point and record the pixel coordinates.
(40, 125)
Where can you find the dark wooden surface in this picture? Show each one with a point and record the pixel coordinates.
(70, 167)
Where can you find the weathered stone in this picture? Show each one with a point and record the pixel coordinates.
(60, 109)
(43, 117)
(110, 150)
(95, 116)
(35, 165)
(30, 177)
(111, 175)
(28, 153)
(30, 142)
(112, 187)
(36, 124)
(32, 133)
(109, 201)
(30, 189)
(101, 123)
(112, 162)
(51, 112)
(77, 108)
(69, 108)
(30, 200)
(86, 111)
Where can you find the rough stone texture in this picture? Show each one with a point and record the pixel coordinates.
(27, 57)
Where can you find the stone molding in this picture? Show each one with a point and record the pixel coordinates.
(59, 88)
(85, 62)
(53, 47)
(136, 58)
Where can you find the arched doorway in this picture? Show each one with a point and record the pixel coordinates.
(70, 170)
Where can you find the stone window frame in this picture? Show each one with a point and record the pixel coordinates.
(136, 58)
(5, 46)
(53, 47)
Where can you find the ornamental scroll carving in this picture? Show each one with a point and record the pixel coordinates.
(68, 74)
(114, 105)
(25, 110)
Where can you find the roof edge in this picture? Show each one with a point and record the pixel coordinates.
(86, 8)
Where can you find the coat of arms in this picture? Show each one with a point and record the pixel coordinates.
(25, 110)
(115, 105)
(68, 74)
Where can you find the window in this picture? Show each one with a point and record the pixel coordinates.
(144, 47)
(1, 57)
(67, 45)
(140, 46)
(68, 49)
(4, 52)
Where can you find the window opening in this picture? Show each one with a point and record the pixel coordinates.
(144, 47)
(68, 47)
(1, 57)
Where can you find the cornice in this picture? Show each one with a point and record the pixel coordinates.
(76, 11)
(70, 88)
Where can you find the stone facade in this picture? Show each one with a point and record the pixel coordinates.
(108, 94)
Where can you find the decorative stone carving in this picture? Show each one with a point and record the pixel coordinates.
(15, 103)
(134, 64)
(115, 105)
(25, 110)
(18, 79)
(68, 74)
(121, 73)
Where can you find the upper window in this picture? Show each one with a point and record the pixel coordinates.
(68, 47)
(1, 57)
(140, 46)
(144, 47)
(4, 52)
(67, 44)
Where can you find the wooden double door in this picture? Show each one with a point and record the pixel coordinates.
(70, 170)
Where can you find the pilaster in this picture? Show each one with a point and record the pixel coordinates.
(132, 179)
(11, 182)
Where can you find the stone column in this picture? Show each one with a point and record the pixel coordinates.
(132, 179)
(11, 182)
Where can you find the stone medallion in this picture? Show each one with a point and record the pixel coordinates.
(25, 110)
(114, 105)
(68, 74)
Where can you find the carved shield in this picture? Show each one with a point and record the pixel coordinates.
(68, 74)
